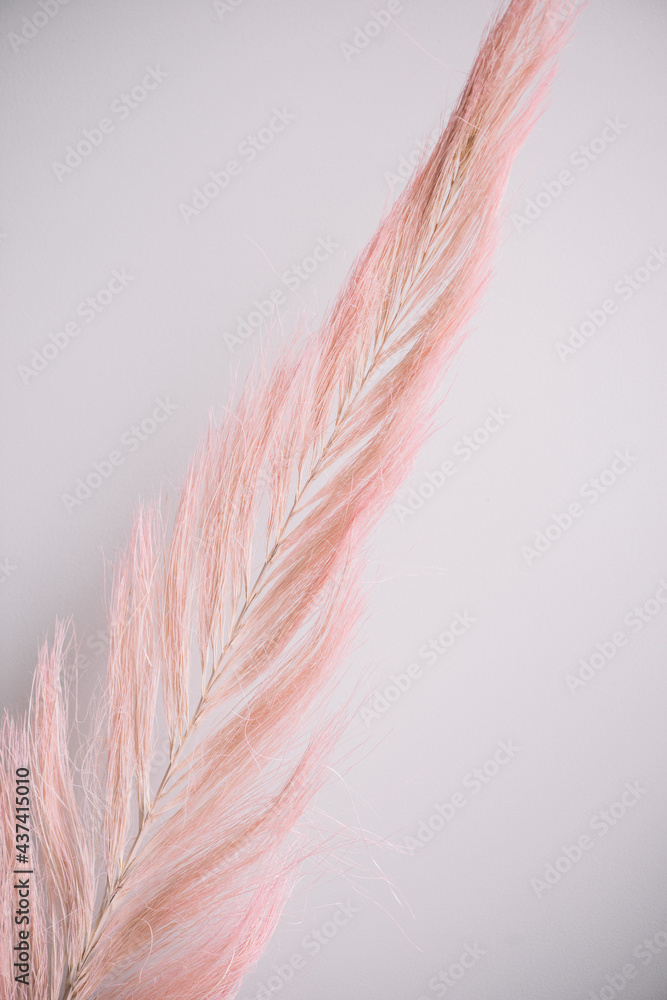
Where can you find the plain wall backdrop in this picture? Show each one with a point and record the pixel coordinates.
(526, 758)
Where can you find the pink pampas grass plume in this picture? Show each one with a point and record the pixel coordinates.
(253, 593)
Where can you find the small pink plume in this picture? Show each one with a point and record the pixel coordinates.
(254, 595)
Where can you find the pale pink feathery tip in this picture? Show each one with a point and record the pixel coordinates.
(252, 598)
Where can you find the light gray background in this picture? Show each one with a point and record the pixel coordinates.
(163, 337)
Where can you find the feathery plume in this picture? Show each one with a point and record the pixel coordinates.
(258, 583)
